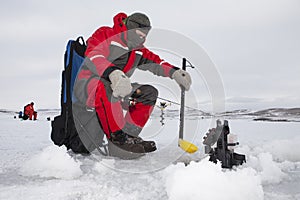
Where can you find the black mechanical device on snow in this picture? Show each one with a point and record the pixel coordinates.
(224, 150)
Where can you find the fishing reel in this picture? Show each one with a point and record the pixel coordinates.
(224, 149)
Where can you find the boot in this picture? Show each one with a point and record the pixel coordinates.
(149, 146)
(133, 131)
(132, 143)
(123, 141)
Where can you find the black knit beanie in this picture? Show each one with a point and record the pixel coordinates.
(138, 20)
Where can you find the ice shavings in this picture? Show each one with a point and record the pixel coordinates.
(270, 170)
(52, 162)
(205, 180)
(284, 149)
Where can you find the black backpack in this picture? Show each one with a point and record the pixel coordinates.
(77, 127)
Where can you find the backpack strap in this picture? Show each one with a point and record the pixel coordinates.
(82, 40)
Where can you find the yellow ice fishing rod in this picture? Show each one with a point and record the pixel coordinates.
(183, 144)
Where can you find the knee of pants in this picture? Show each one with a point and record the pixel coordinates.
(147, 94)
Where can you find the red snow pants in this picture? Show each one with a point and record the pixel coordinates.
(139, 105)
(31, 114)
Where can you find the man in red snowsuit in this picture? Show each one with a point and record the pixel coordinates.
(112, 55)
(29, 112)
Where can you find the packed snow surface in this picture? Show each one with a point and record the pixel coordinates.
(32, 167)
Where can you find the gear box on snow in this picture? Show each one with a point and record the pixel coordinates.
(224, 151)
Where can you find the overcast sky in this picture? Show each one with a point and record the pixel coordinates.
(254, 44)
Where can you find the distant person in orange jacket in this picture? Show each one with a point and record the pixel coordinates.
(29, 112)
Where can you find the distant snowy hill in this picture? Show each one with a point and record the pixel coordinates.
(271, 114)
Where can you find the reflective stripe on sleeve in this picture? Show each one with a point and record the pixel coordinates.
(96, 56)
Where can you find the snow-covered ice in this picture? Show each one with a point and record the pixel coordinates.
(32, 167)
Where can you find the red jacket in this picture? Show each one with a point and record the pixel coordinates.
(108, 51)
(28, 109)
